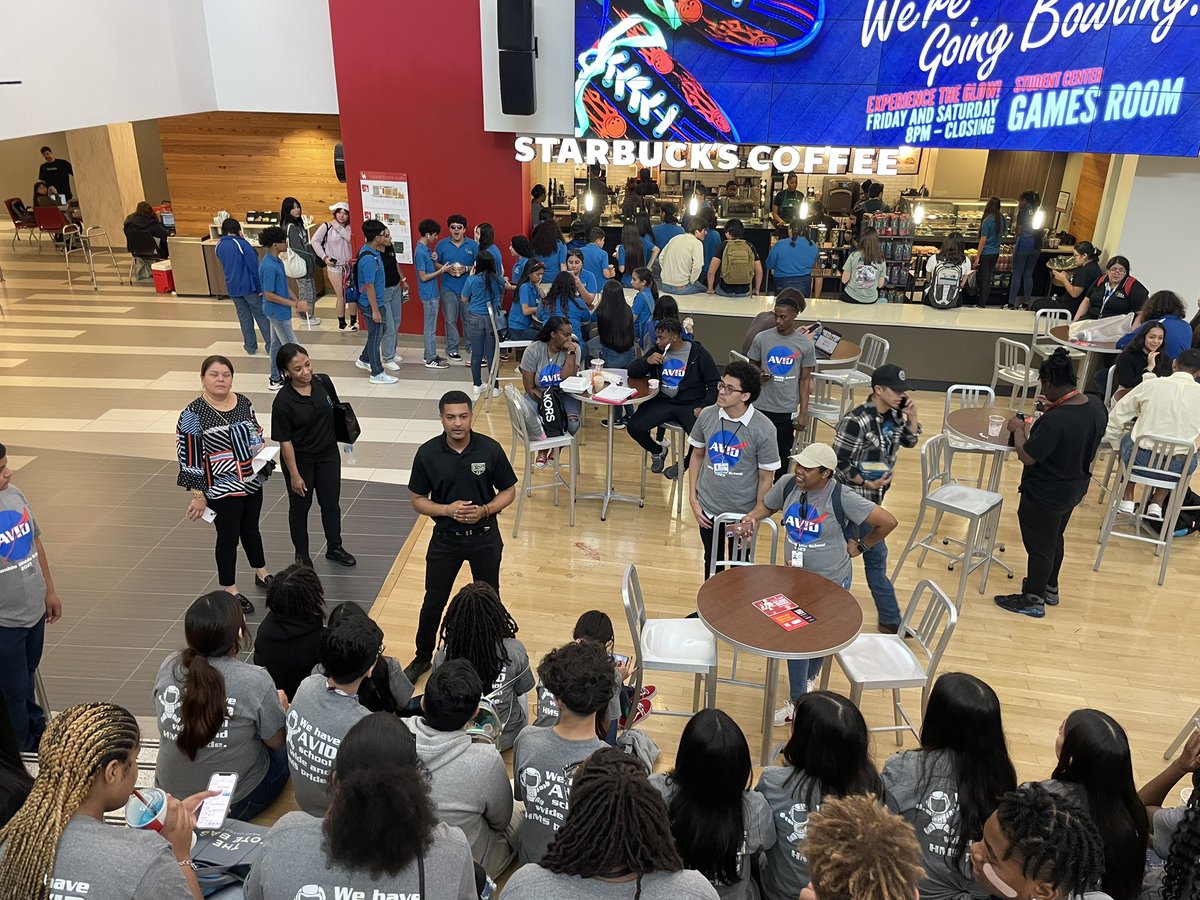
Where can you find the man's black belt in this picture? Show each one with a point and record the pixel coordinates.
(467, 532)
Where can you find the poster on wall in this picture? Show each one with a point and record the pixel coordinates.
(385, 197)
(1104, 76)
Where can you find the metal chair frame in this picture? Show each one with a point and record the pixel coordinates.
(521, 438)
(739, 552)
(971, 396)
(494, 378)
(1013, 368)
(676, 450)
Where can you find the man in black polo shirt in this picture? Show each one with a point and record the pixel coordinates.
(461, 480)
(56, 172)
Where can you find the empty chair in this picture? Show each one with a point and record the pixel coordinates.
(969, 396)
(494, 377)
(50, 221)
(874, 354)
(668, 645)
(20, 223)
(829, 402)
(676, 448)
(887, 662)
(528, 447)
(1013, 368)
(739, 551)
(1155, 474)
(941, 494)
(1043, 344)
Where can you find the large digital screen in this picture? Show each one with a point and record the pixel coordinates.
(1107, 76)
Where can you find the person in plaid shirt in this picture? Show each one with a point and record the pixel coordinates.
(868, 438)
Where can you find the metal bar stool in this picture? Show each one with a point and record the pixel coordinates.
(676, 447)
(738, 552)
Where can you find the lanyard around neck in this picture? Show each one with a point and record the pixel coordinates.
(1063, 399)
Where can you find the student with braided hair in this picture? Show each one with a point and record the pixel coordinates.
(287, 639)
(1176, 831)
(480, 630)
(87, 766)
(1039, 845)
(859, 851)
(616, 842)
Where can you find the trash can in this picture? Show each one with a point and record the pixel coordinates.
(164, 281)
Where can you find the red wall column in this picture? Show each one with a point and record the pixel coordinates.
(410, 95)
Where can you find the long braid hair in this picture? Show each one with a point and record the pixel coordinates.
(856, 848)
(616, 825)
(1181, 871)
(77, 745)
(1053, 836)
(474, 629)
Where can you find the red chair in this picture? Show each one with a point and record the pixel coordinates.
(50, 220)
(20, 224)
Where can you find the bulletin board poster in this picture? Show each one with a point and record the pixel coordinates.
(1102, 76)
(385, 197)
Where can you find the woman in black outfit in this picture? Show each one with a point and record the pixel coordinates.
(286, 642)
(1144, 354)
(217, 438)
(1114, 293)
(1077, 281)
(302, 423)
(291, 220)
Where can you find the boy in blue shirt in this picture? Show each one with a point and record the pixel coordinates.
(595, 260)
(371, 284)
(278, 299)
(428, 270)
(457, 255)
(239, 262)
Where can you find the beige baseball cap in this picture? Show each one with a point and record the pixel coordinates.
(816, 456)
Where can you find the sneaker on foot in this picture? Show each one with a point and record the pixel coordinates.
(313, 320)
(391, 365)
(639, 712)
(416, 669)
(540, 461)
(436, 363)
(455, 357)
(648, 692)
(888, 627)
(785, 714)
(397, 359)
(657, 461)
(1051, 597)
(366, 367)
(273, 385)
(504, 355)
(1153, 511)
(383, 378)
(352, 325)
(1127, 507)
(1025, 604)
(477, 389)
(341, 556)
(671, 472)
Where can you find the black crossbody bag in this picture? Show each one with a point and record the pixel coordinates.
(345, 423)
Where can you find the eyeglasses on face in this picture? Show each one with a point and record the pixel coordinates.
(724, 387)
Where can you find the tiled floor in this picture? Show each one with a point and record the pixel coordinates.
(91, 384)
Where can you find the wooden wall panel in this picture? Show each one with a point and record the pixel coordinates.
(241, 161)
(1086, 202)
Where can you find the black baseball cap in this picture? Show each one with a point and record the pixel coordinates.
(890, 376)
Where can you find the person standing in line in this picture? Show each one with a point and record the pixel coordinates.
(239, 263)
(28, 602)
(395, 291)
(56, 172)
(482, 292)
(291, 219)
(595, 260)
(427, 268)
(331, 241)
(278, 299)
(867, 441)
(537, 202)
(372, 284)
(682, 260)
(735, 269)
(734, 458)
(991, 229)
(786, 357)
(302, 425)
(1025, 252)
(1057, 454)
(216, 439)
(793, 259)
(461, 480)
(457, 253)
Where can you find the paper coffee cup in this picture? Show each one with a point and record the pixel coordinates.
(152, 814)
(654, 384)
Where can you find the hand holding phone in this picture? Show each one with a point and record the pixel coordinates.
(214, 810)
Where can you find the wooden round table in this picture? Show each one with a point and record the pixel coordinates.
(846, 353)
(971, 424)
(726, 606)
(1093, 351)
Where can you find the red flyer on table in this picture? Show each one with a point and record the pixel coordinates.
(792, 619)
(776, 603)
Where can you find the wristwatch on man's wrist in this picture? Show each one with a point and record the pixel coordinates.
(862, 548)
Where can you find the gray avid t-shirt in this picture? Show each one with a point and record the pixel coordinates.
(543, 766)
(317, 722)
(787, 872)
(813, 538)
(733, 451)
(507, 692)
(470, 784)
(545, 712)
(252, 713)
(1162, 832)
(784, 358)
(22, 587)
(674, 367)
(758, 835)
(920, 786)
(535, 883)
(292, 865)
(96, 861)
(546, 368)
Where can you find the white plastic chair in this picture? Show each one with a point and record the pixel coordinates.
(735, 355)
(1042, 343)
(739, 552)
(874, 354)
(1155, 474)
(1012, 367)
(886, 662)
(529, 447)
(940, 493)
(676, 448)
(970, 396)
(830, 401)
(494, 378)
(1110, 465)
(668, 645)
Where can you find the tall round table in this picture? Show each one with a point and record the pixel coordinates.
(846, 353)
(1092, 350)
(726, 607)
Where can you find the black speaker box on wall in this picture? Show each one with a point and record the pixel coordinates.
(514, 24)
(518, 93)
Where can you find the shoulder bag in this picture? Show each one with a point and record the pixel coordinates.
(345, 422)
(294, 263)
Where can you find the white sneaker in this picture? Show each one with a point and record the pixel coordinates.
(313, 320)
(476, 390)
(362, 365)
(1127, 507)
(391, 366)
(397, 359)
(495, 392)
(1154, 511)
(383, 378)
(785, 714)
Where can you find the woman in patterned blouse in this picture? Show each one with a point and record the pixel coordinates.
(217, 439)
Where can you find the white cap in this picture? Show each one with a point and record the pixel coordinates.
(816, 456)
(341, 204)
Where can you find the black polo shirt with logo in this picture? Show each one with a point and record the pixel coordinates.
(476, 474)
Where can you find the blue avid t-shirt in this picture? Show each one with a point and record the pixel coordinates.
(529, 296)
(423, 261)
(555, 261)
(370, 271)
(463, 254)
(792, 262)
(274, 279)
(497, 258)
(480, 292)
(643, 311)
(712, 240)
(595, 261)
(992, 233)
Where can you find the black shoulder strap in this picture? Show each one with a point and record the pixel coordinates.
(327, 383)
(849, 529)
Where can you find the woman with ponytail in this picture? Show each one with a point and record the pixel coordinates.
(792, 260)
(379, 837)
(87, 766)
(218, 714)
(616, 835)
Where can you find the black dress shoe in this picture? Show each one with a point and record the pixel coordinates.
(263, 583)
(339, 555)
(416, 669)
(888, 627)
(304, 561)
(247, 606)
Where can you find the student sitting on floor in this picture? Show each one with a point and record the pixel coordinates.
(1175, 832)
(470, 783)
(385, 688)
(287, 640)
(859, 851)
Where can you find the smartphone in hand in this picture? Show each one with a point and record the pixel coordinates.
(214, 810)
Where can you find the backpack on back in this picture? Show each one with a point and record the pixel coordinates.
(945, 288)
(737, 262)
